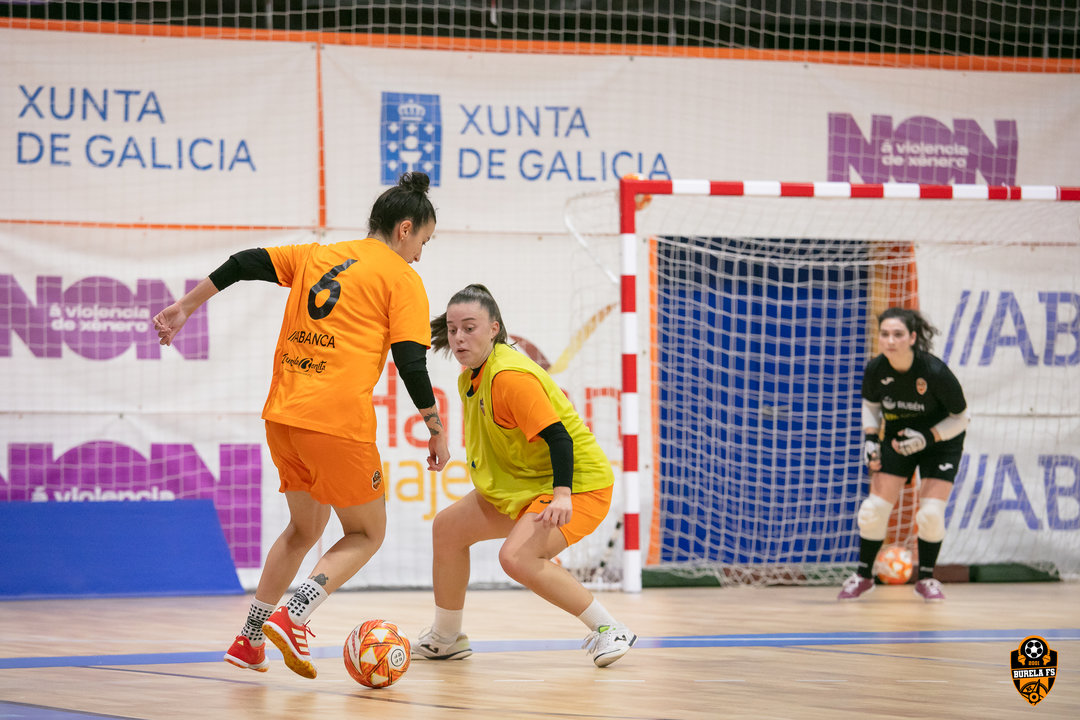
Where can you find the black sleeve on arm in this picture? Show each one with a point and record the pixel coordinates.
(254, 264)
(561, 446)
(411, 360)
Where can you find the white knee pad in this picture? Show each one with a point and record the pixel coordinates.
(931, 520)
(874, 517)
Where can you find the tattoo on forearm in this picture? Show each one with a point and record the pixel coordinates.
(436, 426)
(321, 579)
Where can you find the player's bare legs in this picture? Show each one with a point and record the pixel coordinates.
(526, 557)
(365, 528)
(307, 520)
(455, 529)
(887, 486)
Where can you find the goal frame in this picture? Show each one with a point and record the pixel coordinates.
(632, 187)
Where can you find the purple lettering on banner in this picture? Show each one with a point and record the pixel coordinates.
(109, 471)
(918, 140)
(1057, 516)
(1056, 327)
(997, 163)
(1009, 306)
(999, 502)
(98, 318)
(848, 148)
(30, 322)
(922, 150)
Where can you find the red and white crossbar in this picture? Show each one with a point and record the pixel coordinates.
(630, 188)
(775, 188)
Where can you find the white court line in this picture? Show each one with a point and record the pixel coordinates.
(725, 680)
(620, 680)
(923, 681)
(822, 681)
(519, 680)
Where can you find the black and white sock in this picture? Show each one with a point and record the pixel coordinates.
(256, 617)
(308, 596)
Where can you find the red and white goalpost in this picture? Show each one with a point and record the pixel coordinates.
(739, 427)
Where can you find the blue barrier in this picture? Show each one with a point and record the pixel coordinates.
(113, 549)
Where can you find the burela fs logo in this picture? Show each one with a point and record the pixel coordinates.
(1034, 668)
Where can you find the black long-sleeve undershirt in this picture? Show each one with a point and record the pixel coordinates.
(561, 446)
(411, 360)
(253, 264)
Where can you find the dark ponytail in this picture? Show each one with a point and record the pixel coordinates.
(915, 323)
(407, 200)
(471, 293)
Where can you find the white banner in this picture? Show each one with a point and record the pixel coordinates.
(508, 138)
(1017, 502)
(117, 129)
(1010, 322)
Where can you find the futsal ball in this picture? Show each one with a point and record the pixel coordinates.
(640, 201)
(894, 565)
(376, 653)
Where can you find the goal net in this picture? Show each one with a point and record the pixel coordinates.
(756, 315)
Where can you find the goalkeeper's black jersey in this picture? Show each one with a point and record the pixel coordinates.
(920, 398)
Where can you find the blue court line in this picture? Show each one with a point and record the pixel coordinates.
(23, 711)
(492, 646)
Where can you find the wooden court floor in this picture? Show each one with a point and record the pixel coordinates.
(778, 652)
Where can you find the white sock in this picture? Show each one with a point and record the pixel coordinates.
(308, 596)
(447, 623)
(596, 616)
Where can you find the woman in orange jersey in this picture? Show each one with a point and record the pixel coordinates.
(540, 480)
(349, 303)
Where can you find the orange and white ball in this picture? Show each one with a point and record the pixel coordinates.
(894, 565)
(376, 653)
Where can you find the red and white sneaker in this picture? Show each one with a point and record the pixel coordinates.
(929, 590)
(243, 654)
(855, 587)
(291, 640)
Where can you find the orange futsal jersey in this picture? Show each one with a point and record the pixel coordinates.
(349, 301)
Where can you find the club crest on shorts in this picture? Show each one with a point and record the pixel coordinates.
(920, 386)
(376, 480)
(1034, 668)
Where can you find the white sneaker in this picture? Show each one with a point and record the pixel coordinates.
(608, 643)
(434, 647)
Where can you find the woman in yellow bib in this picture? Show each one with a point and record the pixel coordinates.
(540, 480)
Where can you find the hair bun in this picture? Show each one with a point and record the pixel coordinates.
(415, 182)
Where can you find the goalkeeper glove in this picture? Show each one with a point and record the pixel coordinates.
(872, 448)
(914, 442)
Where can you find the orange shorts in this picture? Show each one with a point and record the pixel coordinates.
(333, 470)
(590, 509)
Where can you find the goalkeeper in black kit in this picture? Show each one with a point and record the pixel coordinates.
(925, 417)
